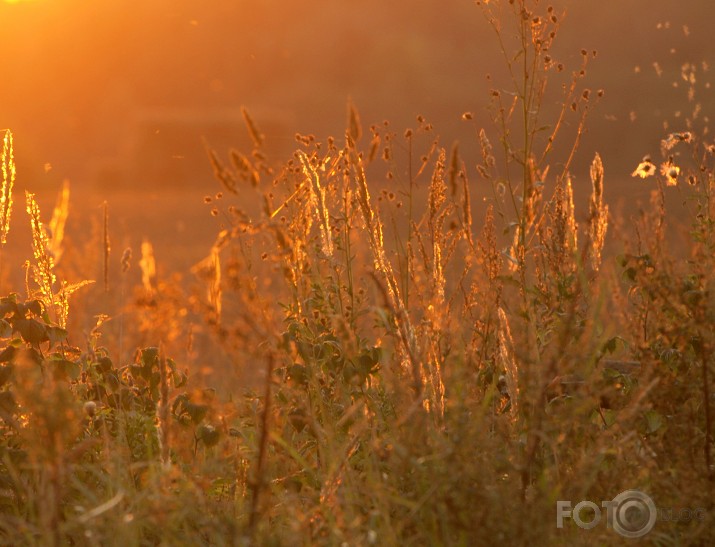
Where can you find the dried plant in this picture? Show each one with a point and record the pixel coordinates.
(148, 266)
(56, 227)
(598, 215)
(455, 382)
(7, 159)
(43, 268)
(318, 199)
(256, 136)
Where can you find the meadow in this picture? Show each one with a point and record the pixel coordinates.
(387, 343)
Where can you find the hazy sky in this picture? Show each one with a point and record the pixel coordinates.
(98, 89)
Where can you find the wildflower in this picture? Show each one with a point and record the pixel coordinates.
(646, 168)
(674, 138)
(670, 171)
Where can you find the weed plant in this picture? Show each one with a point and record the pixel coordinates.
(432, 372)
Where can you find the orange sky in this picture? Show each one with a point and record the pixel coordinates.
(87, 85)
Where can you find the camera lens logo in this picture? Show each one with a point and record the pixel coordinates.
(632, 513)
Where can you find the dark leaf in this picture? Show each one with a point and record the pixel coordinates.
(8, 354)
(197, 412)
(33, 306)
(32, 331)
(208, 434)
(298, 374)
(8, 305)
(7, 402)
(105, 364)
(56, 334)
(5, 374)
(64, 369)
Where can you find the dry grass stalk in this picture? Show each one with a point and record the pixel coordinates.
(126, 261)
(383, 268)
(58, 222)
(375, 235)
(318, 200)
(222, 174)
(598, 217)
(454, 168)
(354, 126)
(148, 266)
(244, 168)
(467, 211)
(437, 214)
(488, 160)
(62, 299)
(163, 411)
(563, 231)
(42, 269)
(489, 255)
(8, 182)
(214, 286)
(107, 247)
(259, 480)
(507, 361)
(256, 136)
(571, 227)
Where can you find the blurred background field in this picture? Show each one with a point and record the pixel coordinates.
(119, 99)
(123, 102)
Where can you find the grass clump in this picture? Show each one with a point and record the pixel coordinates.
(428, 370)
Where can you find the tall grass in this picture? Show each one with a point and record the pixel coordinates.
(429, 370)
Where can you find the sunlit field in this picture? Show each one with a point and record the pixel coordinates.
(492, 322)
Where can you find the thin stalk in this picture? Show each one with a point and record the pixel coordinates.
(410, 223)
(258, 481)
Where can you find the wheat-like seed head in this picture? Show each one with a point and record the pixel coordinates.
(147, 265)
(58, 221)
(253, 131)
(318, 199)
(8, 181)
(244, 168)
(215, 293)
(507, 360)
(562, 235)
(44, 263)
(354, 125)
(598, 221)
